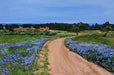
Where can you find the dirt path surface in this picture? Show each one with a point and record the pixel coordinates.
(64, 62)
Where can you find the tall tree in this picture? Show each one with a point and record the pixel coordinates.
(1, 26)
(75, 28)
(106, 27)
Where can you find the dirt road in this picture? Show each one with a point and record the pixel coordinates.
(64, 62)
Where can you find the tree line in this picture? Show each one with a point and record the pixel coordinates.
(61, 26)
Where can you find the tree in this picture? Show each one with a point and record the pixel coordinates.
(112, 26)
(106, 27)
(9, 27)
(83, 26)
(76, 29)
(1, 26)
(26, 25)
(14, 26)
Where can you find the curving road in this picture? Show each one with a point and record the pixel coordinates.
(64, 62)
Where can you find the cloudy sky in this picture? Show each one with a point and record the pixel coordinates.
(65, 11)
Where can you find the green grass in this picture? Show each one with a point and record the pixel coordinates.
(88, 32)
(27, 32)
(96, 38)
(111, 35)
(22, 38)
(45, 62)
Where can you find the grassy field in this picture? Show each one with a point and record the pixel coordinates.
(89, 32)
(25, 49)
(97, 38)
(94, 47)
(12, 39)
(86, 36)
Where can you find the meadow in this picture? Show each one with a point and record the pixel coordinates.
(20, 57)
(96, 37)
(22, 38)
(19, 53)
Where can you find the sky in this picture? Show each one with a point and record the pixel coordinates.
(59, 11)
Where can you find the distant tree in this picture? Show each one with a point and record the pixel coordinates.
(36, 26)
(97, 27)
(75, 28)
(15, 26)
(91, 27)
(9, 27)
(112, 26)
(1, 26)
(106, 27)
(83, 26)
(26, 25)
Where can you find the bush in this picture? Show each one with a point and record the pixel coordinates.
(7, 32)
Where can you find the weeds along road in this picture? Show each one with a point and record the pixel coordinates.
(65, 62)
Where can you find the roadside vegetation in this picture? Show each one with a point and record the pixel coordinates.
(98, 53)
(97, 38)
(19, 53)
(43, 61)
(22, 38)
(27, 32)
(95, 48)
(20, 58)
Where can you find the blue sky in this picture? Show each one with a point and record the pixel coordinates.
(65, 11)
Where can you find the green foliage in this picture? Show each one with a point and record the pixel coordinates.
(44, 73)
(96, 38)
(22, 38)
(75, 28)
(11, 27)
(106, 27)
(110, 35)
(8, 32)
(1, 26)
(44, 60)
(57, 26)
(17, 73)
(46, 63)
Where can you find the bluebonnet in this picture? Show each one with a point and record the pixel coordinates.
(100, 53)
(19, 58)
